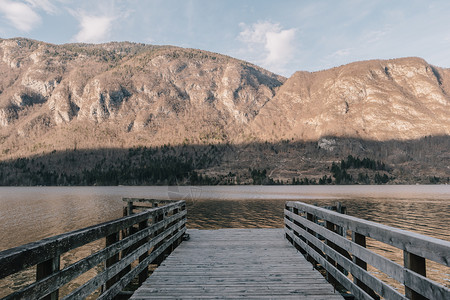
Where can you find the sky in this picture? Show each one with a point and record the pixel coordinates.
(282, 36)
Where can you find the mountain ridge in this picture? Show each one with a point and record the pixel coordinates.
(149, 91)
(121, 95)
(162, 89)
(379, 99)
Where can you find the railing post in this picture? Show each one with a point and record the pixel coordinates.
(130, 207)
(46, 268)
(417, 264)
(144, 274)
(297, 246)
(361, 240)
(182, 208)
(310, 217)
(176, 242)
(110, 240)
(158, 218)
(127, 211)
(287, 235)
(295, 211)
(330, 226)
(342, 210)
(168, 249)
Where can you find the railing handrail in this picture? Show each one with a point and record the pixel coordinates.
(149, 200)
(18, 258)
(337, 254)
(146, 236)
(436, 249)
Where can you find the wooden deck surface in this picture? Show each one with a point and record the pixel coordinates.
(236, 263)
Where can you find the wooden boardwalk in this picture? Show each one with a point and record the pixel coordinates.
(228, 263)
(236, 263)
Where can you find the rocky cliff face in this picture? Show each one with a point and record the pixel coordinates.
(377, 100)
(55, 97)
(123, 94)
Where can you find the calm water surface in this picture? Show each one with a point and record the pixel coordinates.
(31, 213)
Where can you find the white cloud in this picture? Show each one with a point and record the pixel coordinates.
(93, 29)
(256, 33)
(268, 44)
(45, 5)
(279, 45)
(20, 15)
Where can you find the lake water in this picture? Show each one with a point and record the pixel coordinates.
(31, 213)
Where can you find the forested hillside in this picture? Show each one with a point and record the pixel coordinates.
(329, 161)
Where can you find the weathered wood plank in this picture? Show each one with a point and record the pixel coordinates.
(22, 257)
(344, 280)
(380, 262)
(236, 263)
(425, 286)
(110, 241)
(416, 247)
(151, 201)
(218, 279)
(235, 296)
(115, 289)
(417, 264)
(48, 268)
(421, 245)
(90, 286)
(58, 279)
(374, 283)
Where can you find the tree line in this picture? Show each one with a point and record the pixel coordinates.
(212, 164)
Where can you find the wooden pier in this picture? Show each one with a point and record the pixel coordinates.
(236, 263)
(226, 263)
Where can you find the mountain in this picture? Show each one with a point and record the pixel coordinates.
(399, 99)
(54, 97)
(77, 112)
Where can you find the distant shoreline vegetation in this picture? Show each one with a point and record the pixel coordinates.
(200, 165)
(339, 174)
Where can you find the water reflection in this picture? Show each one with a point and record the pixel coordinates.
(426, 216)
(213, 214)
(30, 214)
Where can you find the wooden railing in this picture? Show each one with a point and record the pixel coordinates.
(140, 204)
(132, 244)
(339, 256)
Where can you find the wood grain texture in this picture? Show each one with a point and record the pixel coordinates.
(418, 244)
(379, 286)
(236, 263)
(50, 278)
(16, 259)
(380, 262)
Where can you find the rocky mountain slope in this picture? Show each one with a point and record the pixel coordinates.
(122, 94)
(60, 102)
(377, 100)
